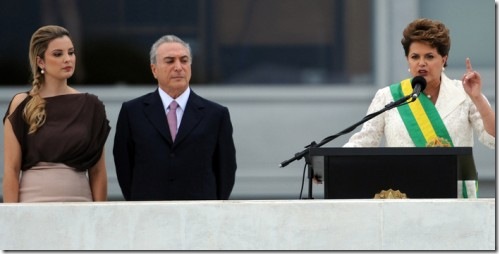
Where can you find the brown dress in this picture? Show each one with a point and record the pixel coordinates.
(55, 158)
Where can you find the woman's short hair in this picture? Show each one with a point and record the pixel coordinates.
(432, 32)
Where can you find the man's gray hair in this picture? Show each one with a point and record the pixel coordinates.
(167, 39)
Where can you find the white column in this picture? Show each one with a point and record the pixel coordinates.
(390, 19)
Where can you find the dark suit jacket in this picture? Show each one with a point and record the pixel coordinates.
(199, 165)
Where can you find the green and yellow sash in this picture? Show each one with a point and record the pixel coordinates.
(423, 122)
(421, 118)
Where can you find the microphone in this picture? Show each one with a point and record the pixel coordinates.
(418, 85)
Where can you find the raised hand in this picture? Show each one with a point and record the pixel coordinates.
(472, 82)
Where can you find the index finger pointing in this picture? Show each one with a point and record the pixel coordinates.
(468, 65)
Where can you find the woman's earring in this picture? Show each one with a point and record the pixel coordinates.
(42, 71)
(443, 68)
(409, 70)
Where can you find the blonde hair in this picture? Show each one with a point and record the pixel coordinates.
(34, 111)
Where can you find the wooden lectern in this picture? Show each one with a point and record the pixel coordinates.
(360, 173)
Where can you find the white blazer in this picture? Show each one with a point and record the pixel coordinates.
(456, 109)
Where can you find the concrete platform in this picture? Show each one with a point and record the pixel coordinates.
(423, 224)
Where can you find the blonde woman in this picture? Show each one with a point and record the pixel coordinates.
(54, 135)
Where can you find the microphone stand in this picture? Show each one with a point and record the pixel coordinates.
(305, 152)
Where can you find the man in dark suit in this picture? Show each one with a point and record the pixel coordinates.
(174, 151)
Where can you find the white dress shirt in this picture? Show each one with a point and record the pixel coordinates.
(181, 101)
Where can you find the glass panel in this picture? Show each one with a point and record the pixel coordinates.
(234, 42)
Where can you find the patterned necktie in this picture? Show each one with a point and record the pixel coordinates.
(172, 119)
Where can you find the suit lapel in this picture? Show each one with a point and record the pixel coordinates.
(155, 113)
(449, 98)
(192, 116)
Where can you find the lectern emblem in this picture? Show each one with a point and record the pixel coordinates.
(390, 194)
(438, 142)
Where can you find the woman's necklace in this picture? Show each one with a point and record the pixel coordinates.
(429, 95)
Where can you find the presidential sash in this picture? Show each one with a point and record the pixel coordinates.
(423, 122)
(421, 118)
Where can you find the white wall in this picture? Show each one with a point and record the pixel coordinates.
(271, 124)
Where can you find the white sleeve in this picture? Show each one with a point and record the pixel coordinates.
(372, 131)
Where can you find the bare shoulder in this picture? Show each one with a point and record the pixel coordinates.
(16, 100)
